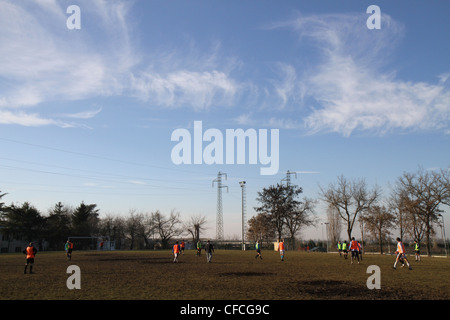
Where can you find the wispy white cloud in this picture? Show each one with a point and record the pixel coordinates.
(198, 90)
(83, 115)
(351, 93)
(43, 61)
(188, 77)
(251, 119)
(286, 87)
(137, 182)
(29, 119)
(347, 86)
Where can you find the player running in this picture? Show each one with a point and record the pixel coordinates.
(344, 249)
(339, 247)
(199, 248)
(182, 245)
(258, 250)
(209, 250)
(176, 252)
(401, 254)
(360, 250)
(281, 249)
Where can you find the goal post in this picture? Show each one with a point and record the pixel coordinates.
(92, 243)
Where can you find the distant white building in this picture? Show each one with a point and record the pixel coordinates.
(8, 244)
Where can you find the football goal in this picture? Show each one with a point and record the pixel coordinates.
(92, 243)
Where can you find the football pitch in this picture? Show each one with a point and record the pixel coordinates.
(232, 275)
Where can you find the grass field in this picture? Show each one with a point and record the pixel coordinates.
(232, 275)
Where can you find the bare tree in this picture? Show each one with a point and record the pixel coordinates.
(349, 198)
(167, 227)
(194, 226)
(401, 206)
(334, 224)
(133, 227)
(378, 221)
(260, 228)
(415, 226)
(118, 232)
(424, 192)
(301, 216)
(148, 229)
(444, 179)
(112, 227)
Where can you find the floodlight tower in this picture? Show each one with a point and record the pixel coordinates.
(244, 212)
(219, 217)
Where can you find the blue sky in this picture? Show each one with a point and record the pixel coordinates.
(87, 115)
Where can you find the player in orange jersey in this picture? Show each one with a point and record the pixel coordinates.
(30, 251)
(176, 252)
(182, 245)
(401, 254)
(354, 249)
(281, 249)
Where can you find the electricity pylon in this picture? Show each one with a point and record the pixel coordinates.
(244, 213)
(289, 173)
(288, 177)
(219, 216)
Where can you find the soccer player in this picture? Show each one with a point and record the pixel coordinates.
(360, 251)
(182, 246)
(258, 250)
(354, 249)
(417, 250)
(344, 249)
(401, 254)
(199, 248)
(68, 247)
(176, 252)
(281, 249)
(209, 249)
(339, 247)
(30, 251)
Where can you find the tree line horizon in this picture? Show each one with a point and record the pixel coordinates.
(413, 208)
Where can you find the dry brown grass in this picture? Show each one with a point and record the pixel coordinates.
(233, 275)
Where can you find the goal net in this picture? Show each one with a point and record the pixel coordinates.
(92, 243)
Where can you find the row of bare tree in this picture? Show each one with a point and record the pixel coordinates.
(412, 208)
(138, 228)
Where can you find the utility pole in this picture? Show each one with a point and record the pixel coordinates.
(443, 234)
(288, 177)
(289, 173)
(244, 213)
(219, 217)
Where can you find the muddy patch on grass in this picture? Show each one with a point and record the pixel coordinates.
(328, 288)
(137, 259)
(246, 274)
(336, 290)
(157, 260)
